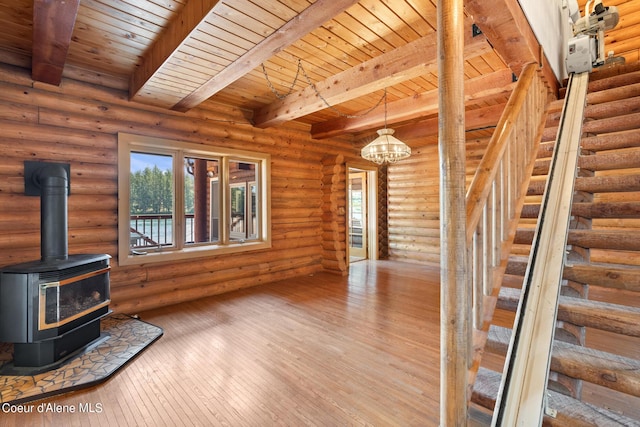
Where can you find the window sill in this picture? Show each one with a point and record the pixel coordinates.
(166, 255)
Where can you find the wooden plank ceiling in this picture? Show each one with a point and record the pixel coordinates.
(335, 57)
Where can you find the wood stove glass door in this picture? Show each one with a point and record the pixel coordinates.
(66, 300)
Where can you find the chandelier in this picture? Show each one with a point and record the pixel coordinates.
(386, 148)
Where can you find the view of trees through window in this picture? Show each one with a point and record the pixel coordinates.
(184, 200)
(151, 191)
(152, 200)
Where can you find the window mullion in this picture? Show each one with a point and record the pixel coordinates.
(178, 205)
(225, 202)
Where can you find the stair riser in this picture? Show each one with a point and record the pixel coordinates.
(601, 162)
(627, 278)
(594, 185)
(613, 106)
(592, 210)
(616, 141)
(580, 312)
(612, 124)
(591, 239)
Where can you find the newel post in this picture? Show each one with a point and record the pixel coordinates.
(455, 298)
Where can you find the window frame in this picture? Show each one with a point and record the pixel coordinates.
(236, 235)
(128, 143)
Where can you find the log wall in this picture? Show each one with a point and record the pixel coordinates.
(334, 208)
(414, 202)
(383, 212)
(77, 123)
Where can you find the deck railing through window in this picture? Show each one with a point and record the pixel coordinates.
(156, 230)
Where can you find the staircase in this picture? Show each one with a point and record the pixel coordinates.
(595, 368)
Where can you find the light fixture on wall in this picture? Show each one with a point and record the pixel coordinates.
(386, 148)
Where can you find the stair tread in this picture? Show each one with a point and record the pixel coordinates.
(620, 87)
(498, 339)
(508, 298)
(595, 366)
(619, 276)
(628, 240)
(605, 75)
(620, 319)
(608, 161)
(610, 317)
(519, 258)
(569, 410)
(605, 209)
(510, 293)
(631, 269)
(612, 141)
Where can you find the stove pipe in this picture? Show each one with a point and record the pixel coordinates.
(53, 181)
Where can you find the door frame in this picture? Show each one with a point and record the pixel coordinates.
(358, 252)
(371, 208)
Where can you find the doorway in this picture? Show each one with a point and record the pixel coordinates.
(357, 216)
(362, 241)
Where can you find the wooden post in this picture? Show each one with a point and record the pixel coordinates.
(455, 309)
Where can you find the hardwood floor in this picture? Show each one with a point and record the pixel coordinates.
(321, 350)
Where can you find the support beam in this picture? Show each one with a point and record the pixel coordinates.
(53, 23)
(474, 119)
(455, 295)
(311, 18)
(192, 15)
(420, 105)
(404, 63)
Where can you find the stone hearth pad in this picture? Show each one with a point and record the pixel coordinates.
(122, 339)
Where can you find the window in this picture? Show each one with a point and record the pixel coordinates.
(242, 181)
(179, 200)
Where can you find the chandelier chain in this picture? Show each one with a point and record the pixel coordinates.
(318, 94)
(272, 87)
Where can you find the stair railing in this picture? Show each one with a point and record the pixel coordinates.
(496, 193)
(521, 398)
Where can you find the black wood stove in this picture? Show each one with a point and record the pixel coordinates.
(50, 309)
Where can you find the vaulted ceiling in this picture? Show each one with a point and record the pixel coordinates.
(333, 58)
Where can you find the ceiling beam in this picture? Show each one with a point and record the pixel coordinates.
(419, 105)
(474, 119)
(53, 23)
(180, 27)
(404, 63)
(509, 32)
(308, 20)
